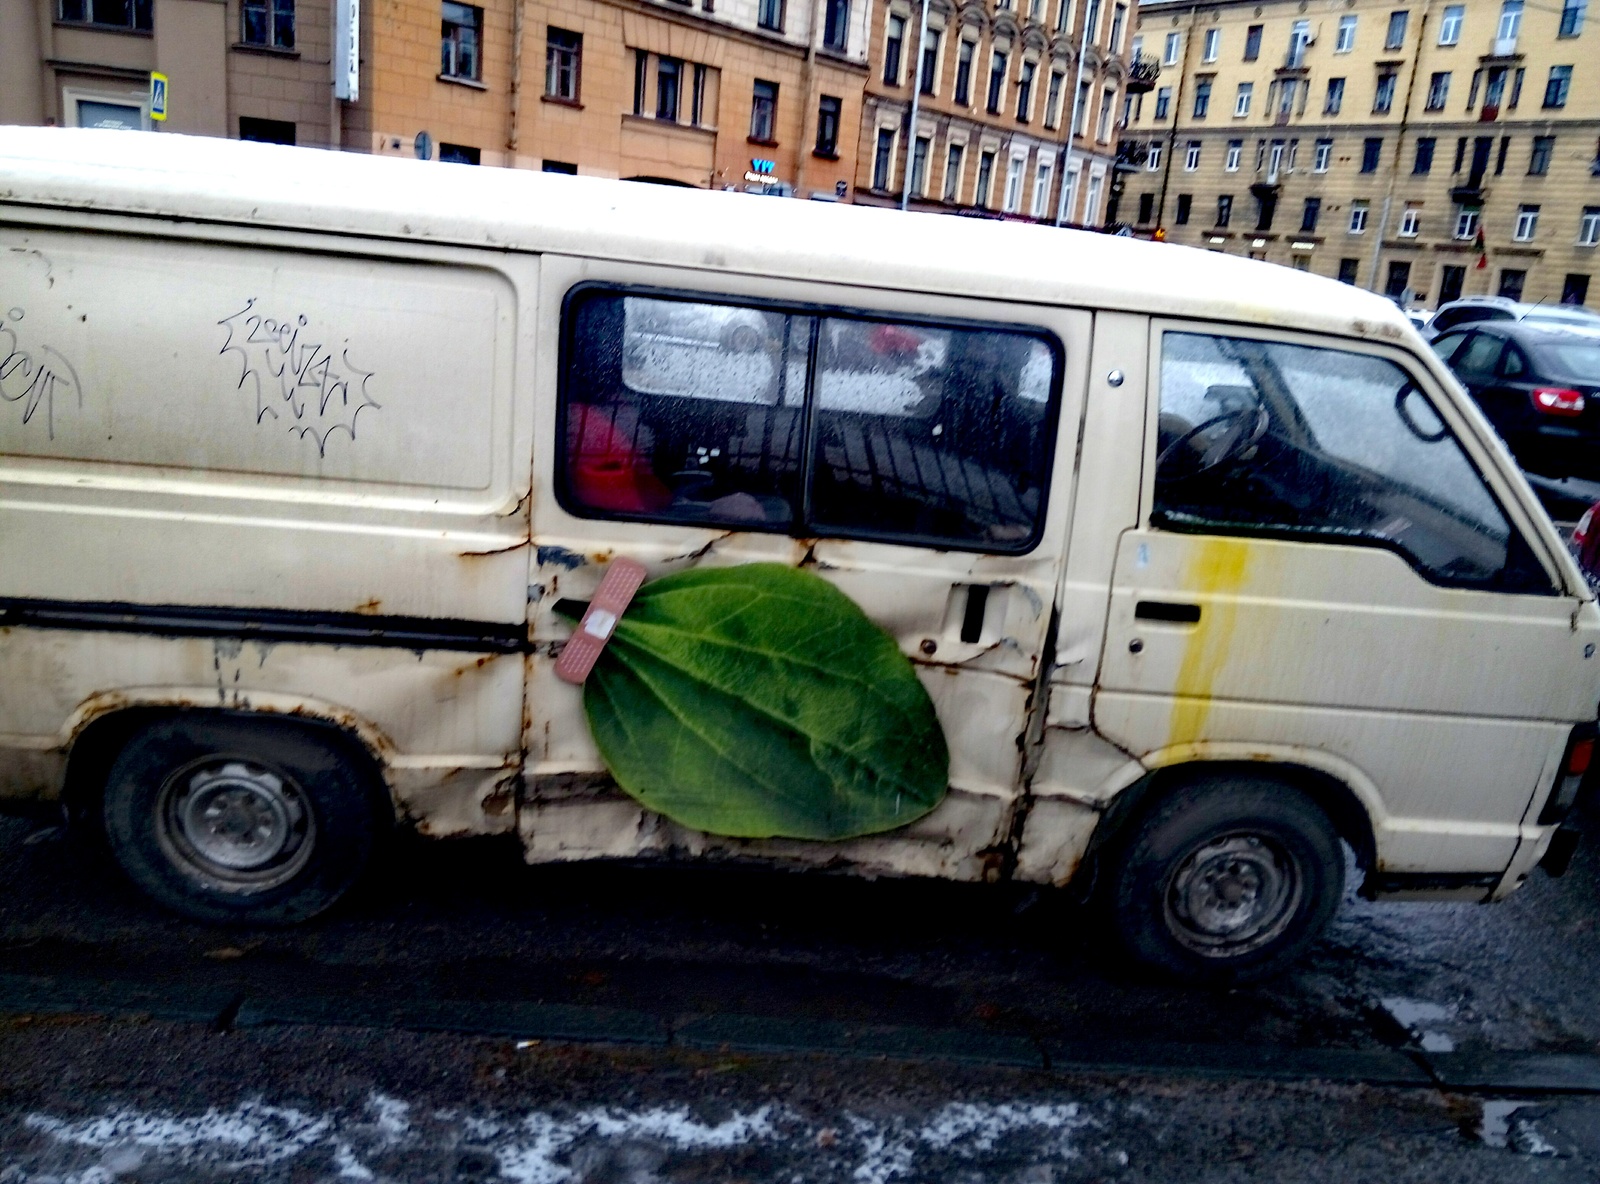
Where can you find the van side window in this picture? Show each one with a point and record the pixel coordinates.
(806, 422)
(1265, 438)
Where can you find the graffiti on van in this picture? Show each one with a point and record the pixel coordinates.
(34, 376)
(298, 382)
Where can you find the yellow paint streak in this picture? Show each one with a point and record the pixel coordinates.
(1215, 570)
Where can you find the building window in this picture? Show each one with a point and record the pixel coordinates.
(1299, 38)
(1450, 24)
(952, 173)
(883, 160)
(985, 179)
(1539, 159)
(1346, 39)
(641, 73)
(1230, 163)
(1108, 103)
(1589, 227)
(1152, 162)
(266, 131)
(1202, 98)
(1052, 101)
(697, 96)
(1163, 101)
(461, 37)
(1091, 23)
(1224, 210)
(1252, 43)
(1174, 45)
(1510, 22)
(1371, 148)
(563, 53)
(669, 73)
(1424, 159)
(891, 50)
(1572, 17)
(1013, 201)
(1347, 270)
(1500, 157)
(1210, 45)
(1410, 220)
(836, 26)
(564, 168)
(1322, 155)
(920, 148)
(1185, 208)
(764, 112)
(459, 154)
(1555, 89)
(997, 81)
(1308, 218)
(829, 110)
(1438, 90)
(1399, 285)
(964, 73)
(1335, 99)
(1241, 101)
(1397, 30)
(1527, 224)
(122, 14)
(769, 15)
(1466, 225)
(266, 22)
(1575, 288)
(1358, 218)
(1025, 91)
(1511, 281)
(1453, 278)
(1041, 188)
(1147, 208)
(1191, 156)
(1383, 97)
(928, 76)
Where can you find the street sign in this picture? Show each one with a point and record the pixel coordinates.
(347, 50)
(158, 96)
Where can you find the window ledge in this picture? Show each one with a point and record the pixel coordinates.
(266, 51)
(469, 83)
(762, 143)
(821, 155)
(560, 102)
(93, 28)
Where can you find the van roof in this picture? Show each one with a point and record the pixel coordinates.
(214, 180)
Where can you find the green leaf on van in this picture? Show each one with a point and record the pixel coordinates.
(760, 702)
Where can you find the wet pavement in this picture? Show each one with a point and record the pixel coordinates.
(468, 1018)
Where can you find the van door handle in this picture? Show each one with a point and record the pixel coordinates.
(1167, 610)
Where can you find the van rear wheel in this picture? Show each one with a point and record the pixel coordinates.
(1227, 880)
(234, 820)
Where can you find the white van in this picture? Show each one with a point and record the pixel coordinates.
(1207, 565)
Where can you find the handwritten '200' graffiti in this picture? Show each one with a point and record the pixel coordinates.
(297, 381)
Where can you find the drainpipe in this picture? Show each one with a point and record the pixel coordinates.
(521, 23)
(1177, 113)
(916, 94)
(809, 69)
(1373, 284)
(1072, 124)
(335, 116)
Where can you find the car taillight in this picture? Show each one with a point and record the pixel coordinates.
(1580, 752)
(1556, 400)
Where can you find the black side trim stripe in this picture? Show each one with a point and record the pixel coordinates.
(274, 625)
(1381, 882)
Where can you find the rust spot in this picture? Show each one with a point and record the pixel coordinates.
(369, 606)
(499, 801)
(601, 556)
(516, 546)
(805, 552)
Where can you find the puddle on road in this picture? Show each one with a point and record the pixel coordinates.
(1499, 1127)
(1414, 1014)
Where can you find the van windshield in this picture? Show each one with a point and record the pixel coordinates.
(1269, 438)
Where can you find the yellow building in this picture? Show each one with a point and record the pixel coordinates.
(992, 85)
(1426, 149)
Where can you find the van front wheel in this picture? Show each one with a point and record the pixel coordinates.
(1227, 881)
(233, 820)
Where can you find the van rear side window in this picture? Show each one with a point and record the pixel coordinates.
(805, 421)
(1259, 437)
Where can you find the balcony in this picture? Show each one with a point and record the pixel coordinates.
(1143, 71)
(1471, 194)
(1266, 190)
(1132, 155)
(1502, 48)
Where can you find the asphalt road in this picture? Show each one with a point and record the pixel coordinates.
(465, 1017)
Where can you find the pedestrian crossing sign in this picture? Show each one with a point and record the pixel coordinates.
(158, 96)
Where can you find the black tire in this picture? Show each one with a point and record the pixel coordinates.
(236, 820)
(1226, 880)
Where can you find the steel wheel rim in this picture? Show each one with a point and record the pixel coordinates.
(1233, 894)
(234, 825)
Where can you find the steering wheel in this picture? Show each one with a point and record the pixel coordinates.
(1241, 428)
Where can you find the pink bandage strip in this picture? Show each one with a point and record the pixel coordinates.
(611, 600)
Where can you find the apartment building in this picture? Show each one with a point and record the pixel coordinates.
(1423, 149)
(993, 87)
(762, 95)
(257, 69)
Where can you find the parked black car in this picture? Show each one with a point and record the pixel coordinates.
(1539, 386)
